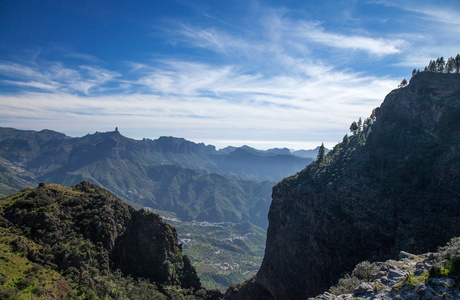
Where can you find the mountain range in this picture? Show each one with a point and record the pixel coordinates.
(195, 181)
(186, 181)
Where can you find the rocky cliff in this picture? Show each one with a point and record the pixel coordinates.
(94, 243)
(394, 185)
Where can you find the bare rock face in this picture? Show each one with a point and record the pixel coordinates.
(394, 185)
(150, 249)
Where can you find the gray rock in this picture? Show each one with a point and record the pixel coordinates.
(323, 296)
(442, 282)
(379, 275)
(363, 289)
(406, 255)
(395, 274)
(424, 292)
(421, 267)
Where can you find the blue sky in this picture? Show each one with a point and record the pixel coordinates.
(262, 73)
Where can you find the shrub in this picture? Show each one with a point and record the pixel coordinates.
(3, 279)
(8, 293)
(450, 253)
(346, 285)
(364, 271)
(39, 291)
(24, 282)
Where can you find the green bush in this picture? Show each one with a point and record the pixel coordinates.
(8, 293)
(346, 285)
(451, 254)
(24, 282)
(364, 271)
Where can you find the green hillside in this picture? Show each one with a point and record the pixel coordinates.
(84, 243)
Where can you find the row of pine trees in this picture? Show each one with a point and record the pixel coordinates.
(452, 65)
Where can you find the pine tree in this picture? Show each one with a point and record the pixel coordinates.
(321, 153)
(450, 65)
(440, 64)
(354, 127)
(403, 83)
(432, 66)
(368, 122)
(414, 72)
(457, 63)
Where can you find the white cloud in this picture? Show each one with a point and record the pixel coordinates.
(54, 76)
(283, 37)
(203, 103)
(375, 46)
(441, 12)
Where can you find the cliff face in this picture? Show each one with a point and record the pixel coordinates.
(85, 234)
(395, 185)
(150, 249)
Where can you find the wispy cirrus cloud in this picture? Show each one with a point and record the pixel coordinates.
(284, 36)
(446, 12)
(371, 45)
(55, 76)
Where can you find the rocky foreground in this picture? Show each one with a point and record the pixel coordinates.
(410, 277)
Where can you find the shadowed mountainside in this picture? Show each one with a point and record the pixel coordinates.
(392, 186)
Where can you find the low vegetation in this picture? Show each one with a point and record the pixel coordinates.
(363, 272)
(450, 261)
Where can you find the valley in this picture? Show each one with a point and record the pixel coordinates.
(178, 150)
(223, 253)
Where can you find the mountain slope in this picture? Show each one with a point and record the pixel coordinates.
(393, 186)
(75, 239)
(208, 196)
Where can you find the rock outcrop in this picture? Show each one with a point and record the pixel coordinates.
(394, 185)
(409, 277)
